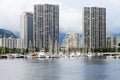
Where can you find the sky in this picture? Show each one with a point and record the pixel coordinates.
(70, 13)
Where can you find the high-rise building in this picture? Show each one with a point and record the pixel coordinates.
(94, 27)
(26, 33)
(46, 27)
(71, 40)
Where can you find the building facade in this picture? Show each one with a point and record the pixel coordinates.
(26, 32)
(46, 27)
(10, 42)
(94, 27)
(71, 40)
(111, 42)
(18, 44)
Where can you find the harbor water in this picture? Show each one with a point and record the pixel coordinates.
(60, 69)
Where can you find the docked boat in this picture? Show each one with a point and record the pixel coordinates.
(55, 56)
(60, 54)
(3, 56)
(72, 55)
(31, 55)
(99, 54)
(41, 54)
(78, 54)
(110, 57)
(19, 56)
(90, 54)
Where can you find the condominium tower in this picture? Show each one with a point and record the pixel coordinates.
(71, 40)
(26, 32)
(94, 27)
(46, 26)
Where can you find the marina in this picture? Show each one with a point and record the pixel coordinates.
(59, 40)
(48, 55)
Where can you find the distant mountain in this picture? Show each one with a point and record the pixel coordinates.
(113, 34)
(17, 34)
(4, 32)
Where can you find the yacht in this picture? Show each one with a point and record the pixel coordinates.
(60, 54)
(110, 56)
(72, 55)
(55, 56)
(3, 56)
(99, 54)
(41, 54)
(78, 54)
(31, 55)
(19, 56)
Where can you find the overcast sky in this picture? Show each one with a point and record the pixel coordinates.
(70, 13)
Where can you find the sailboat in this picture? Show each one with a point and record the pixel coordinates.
(41, 54)
(31, 54)
(90, 54)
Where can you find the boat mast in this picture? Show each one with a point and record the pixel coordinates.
(29, 46)
(4, 44)
(21, 45)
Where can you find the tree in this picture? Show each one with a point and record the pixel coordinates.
(46, 49)
(1, 50)
(118, 49)
(36, 49)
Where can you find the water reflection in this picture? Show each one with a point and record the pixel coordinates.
(59, 69)
(44, 70)
(95, 69)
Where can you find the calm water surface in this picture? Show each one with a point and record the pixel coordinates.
(60, 69)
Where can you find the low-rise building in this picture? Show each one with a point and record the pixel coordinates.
(10, 42)
(111, 42)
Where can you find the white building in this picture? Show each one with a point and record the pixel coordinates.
(18, 44)
(111, 42)
(71, 40)
(10, 42)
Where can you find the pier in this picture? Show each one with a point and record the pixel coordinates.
(111, 54)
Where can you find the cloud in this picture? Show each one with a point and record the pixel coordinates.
(10, 12)
(70, 20)
(70, 13)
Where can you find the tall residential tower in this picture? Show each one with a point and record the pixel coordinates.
(46, 27)
(26, 33)
(94, 27)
